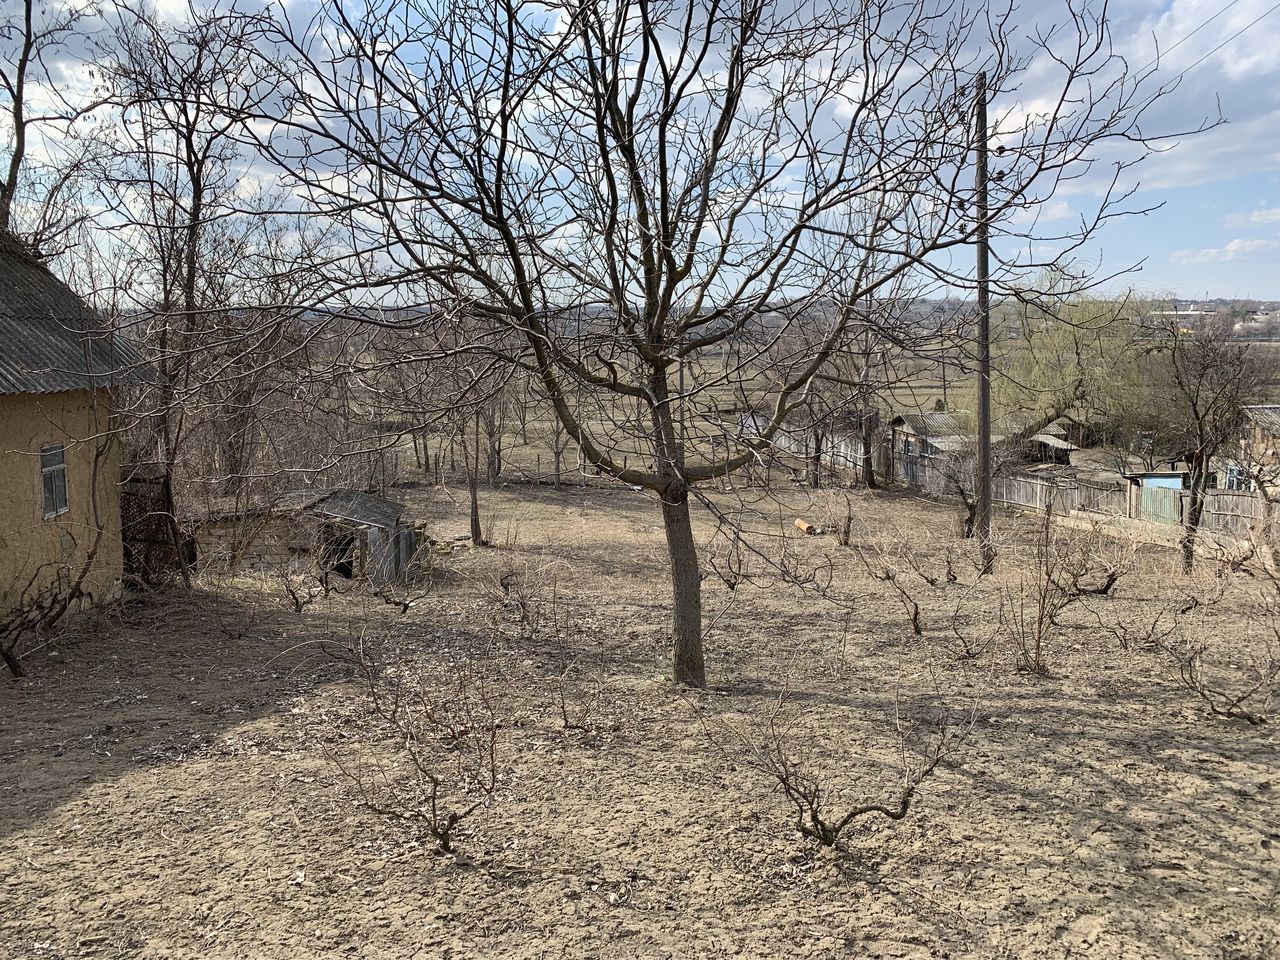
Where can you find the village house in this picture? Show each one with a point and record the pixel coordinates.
(920, 442)
(1258, 464)
(60, 381)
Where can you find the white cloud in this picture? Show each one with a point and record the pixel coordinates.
(1042, 213)
(1232, 252)
(1257, 217)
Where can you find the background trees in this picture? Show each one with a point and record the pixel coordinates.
(43, 168)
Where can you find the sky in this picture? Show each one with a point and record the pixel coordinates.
(1216, 232)
(1213, 229)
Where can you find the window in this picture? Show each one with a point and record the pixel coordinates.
(1238, 479)
(53, 479)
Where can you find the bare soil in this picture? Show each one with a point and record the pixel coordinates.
(169, 780)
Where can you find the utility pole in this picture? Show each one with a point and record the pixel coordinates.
(982, 515)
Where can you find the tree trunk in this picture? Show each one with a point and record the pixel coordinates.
(815, 461)
(477, 536)
(471, 464)
(557, 449)
(11, 661)
(1191, 525)
(868, 457)
(688, 667)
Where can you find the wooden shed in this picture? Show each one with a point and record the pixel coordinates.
(348, 532)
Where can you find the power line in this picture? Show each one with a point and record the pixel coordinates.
(1189, 35)
(1248, 26)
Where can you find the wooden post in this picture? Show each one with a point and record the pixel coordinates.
(982, 515)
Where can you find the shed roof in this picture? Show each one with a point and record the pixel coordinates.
(1052, 440)
(52, 340)
(1020, 420)
(1265, 415)
(343, 503)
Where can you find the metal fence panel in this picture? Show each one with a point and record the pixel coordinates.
(1161, 505)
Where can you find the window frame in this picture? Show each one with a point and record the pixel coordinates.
(56, 471)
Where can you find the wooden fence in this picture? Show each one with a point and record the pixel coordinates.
(1233, 513)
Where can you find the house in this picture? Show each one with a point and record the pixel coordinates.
(837, 439)
(1259, 460)
(337, 530)
(920, 442)
(60, 378)
(917, 440)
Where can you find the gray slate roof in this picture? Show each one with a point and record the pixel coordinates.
(343, 503)
(1265, 415)
(50, 340)
(938, 425)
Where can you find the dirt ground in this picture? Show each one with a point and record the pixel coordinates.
(170, 781)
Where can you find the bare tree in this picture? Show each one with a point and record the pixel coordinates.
(1200, 380)
(40, 198)
(635, 200)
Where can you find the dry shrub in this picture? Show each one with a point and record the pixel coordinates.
(1248, 699)
(974, 633)
(579, 694)
(838, 513)
(527, 604)
(444, 723)
(881, 566)
(1247, 692)
(784, 748)
(1066, 567)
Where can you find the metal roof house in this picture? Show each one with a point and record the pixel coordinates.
(1256, 464)
(60, 373)
(917, 440)
(336, 530)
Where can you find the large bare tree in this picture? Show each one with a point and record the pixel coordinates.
(636, 199)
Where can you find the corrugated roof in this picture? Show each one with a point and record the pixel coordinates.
(51, 340)
(938, 424)
(1265, 415)
(1049, 440)
(343, 503)
(1021, 420)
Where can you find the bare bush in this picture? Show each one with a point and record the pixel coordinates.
(1249, 700)
(780, 748)
(1249, 696)
(49, 592)
(447, 736)
(528, 606)
(1064, 570)
(880, 567)
(578, 699)
(303, 588)
(973, 640)
(836, 512)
